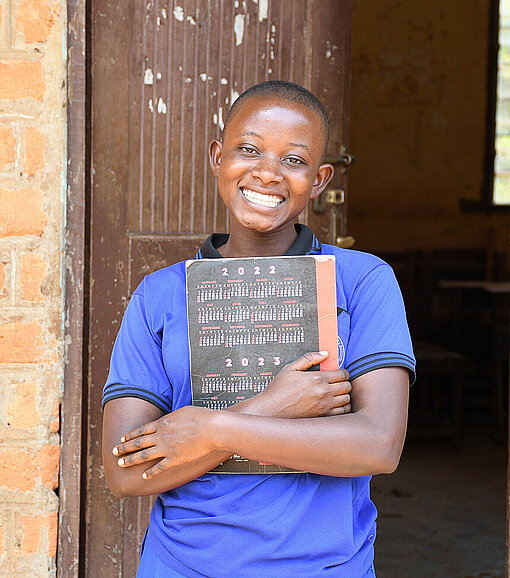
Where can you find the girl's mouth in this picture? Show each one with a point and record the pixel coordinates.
(259, 199)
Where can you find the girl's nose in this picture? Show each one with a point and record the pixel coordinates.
(267, 170)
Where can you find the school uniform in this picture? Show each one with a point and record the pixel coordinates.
(253, 525)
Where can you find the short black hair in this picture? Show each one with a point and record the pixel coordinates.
(286, 91)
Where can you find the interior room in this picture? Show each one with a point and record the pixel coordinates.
(420, 196)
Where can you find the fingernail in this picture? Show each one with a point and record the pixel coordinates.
(324, 352)
(121, 461)
(115, 452)
(144, 476)
(122, 439)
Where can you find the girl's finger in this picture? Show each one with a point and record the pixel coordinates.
(340, 410)
(161, 466)
(148, 428)
(139, 457)
(335, 375)
(341, 400)
(342, 387)
(134, 445)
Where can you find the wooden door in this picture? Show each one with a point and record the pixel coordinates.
(163, 77)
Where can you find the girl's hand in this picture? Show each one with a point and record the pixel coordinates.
(176, 438)
(183, 436)
(298, 393)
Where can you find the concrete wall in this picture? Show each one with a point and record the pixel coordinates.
(32, 178)
(418, 125)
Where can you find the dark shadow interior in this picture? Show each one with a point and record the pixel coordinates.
(421, 124)
(443, 512)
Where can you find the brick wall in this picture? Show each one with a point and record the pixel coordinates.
(32, 153)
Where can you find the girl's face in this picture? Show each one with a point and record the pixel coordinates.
(269, 163)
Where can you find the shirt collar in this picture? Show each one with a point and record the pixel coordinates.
(305, 244)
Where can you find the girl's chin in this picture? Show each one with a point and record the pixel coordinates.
(263, 226)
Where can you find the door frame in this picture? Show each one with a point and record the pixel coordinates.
(75, 305)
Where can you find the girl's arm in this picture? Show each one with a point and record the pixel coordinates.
(293, 393)
(126, 413)
(368, 441)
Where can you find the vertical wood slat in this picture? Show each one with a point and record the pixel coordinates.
(109, 248)
(72, 403)
(330, 82)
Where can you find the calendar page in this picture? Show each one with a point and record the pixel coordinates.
(248, 318)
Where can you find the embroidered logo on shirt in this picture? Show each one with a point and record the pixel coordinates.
(341, 352)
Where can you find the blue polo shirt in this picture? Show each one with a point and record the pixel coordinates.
(255, 525)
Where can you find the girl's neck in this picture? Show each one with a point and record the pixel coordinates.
(246, 243)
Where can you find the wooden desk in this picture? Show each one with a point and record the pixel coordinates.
(494, 287)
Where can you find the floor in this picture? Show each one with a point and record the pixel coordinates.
(442, 513)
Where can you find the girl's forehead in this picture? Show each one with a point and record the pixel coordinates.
(259, 111)
(266, 104)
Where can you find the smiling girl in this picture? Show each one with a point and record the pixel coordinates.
(268, 165)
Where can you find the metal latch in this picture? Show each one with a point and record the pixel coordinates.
(334, 198)
(345, 159)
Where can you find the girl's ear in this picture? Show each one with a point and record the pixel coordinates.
(324, 175)
(215, 149)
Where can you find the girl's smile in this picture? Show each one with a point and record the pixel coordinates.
(265, 199)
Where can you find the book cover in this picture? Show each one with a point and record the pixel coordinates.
(248, 318)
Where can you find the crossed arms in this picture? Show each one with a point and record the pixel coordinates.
(311, 421)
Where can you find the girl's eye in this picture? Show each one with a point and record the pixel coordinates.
(294, 161)
(246, 149)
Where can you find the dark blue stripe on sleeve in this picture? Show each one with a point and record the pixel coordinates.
(379, 360)
(116, 390)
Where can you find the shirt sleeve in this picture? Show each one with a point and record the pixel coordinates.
(136, 367)
(379, 334)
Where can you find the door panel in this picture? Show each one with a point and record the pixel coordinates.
(163, 77)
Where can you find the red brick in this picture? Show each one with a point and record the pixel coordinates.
(34, 270)
(21, 79)
(23, 412)
(21, 343)
(7, 147)
(35, 19)
(21, 470)
(33, 535)
(55, 421)
(21, 212)
(35, 145)
(48, 462)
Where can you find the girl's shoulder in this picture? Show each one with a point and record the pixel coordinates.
(352, 265)
(164, 287)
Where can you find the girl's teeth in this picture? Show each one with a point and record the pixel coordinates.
(266, 200)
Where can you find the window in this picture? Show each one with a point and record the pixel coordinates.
(501, 168)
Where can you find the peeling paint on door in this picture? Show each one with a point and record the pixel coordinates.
(218, 118)
(161, 106)
(179, 13)
(148, 77)
(239, 28)
(263, 8)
